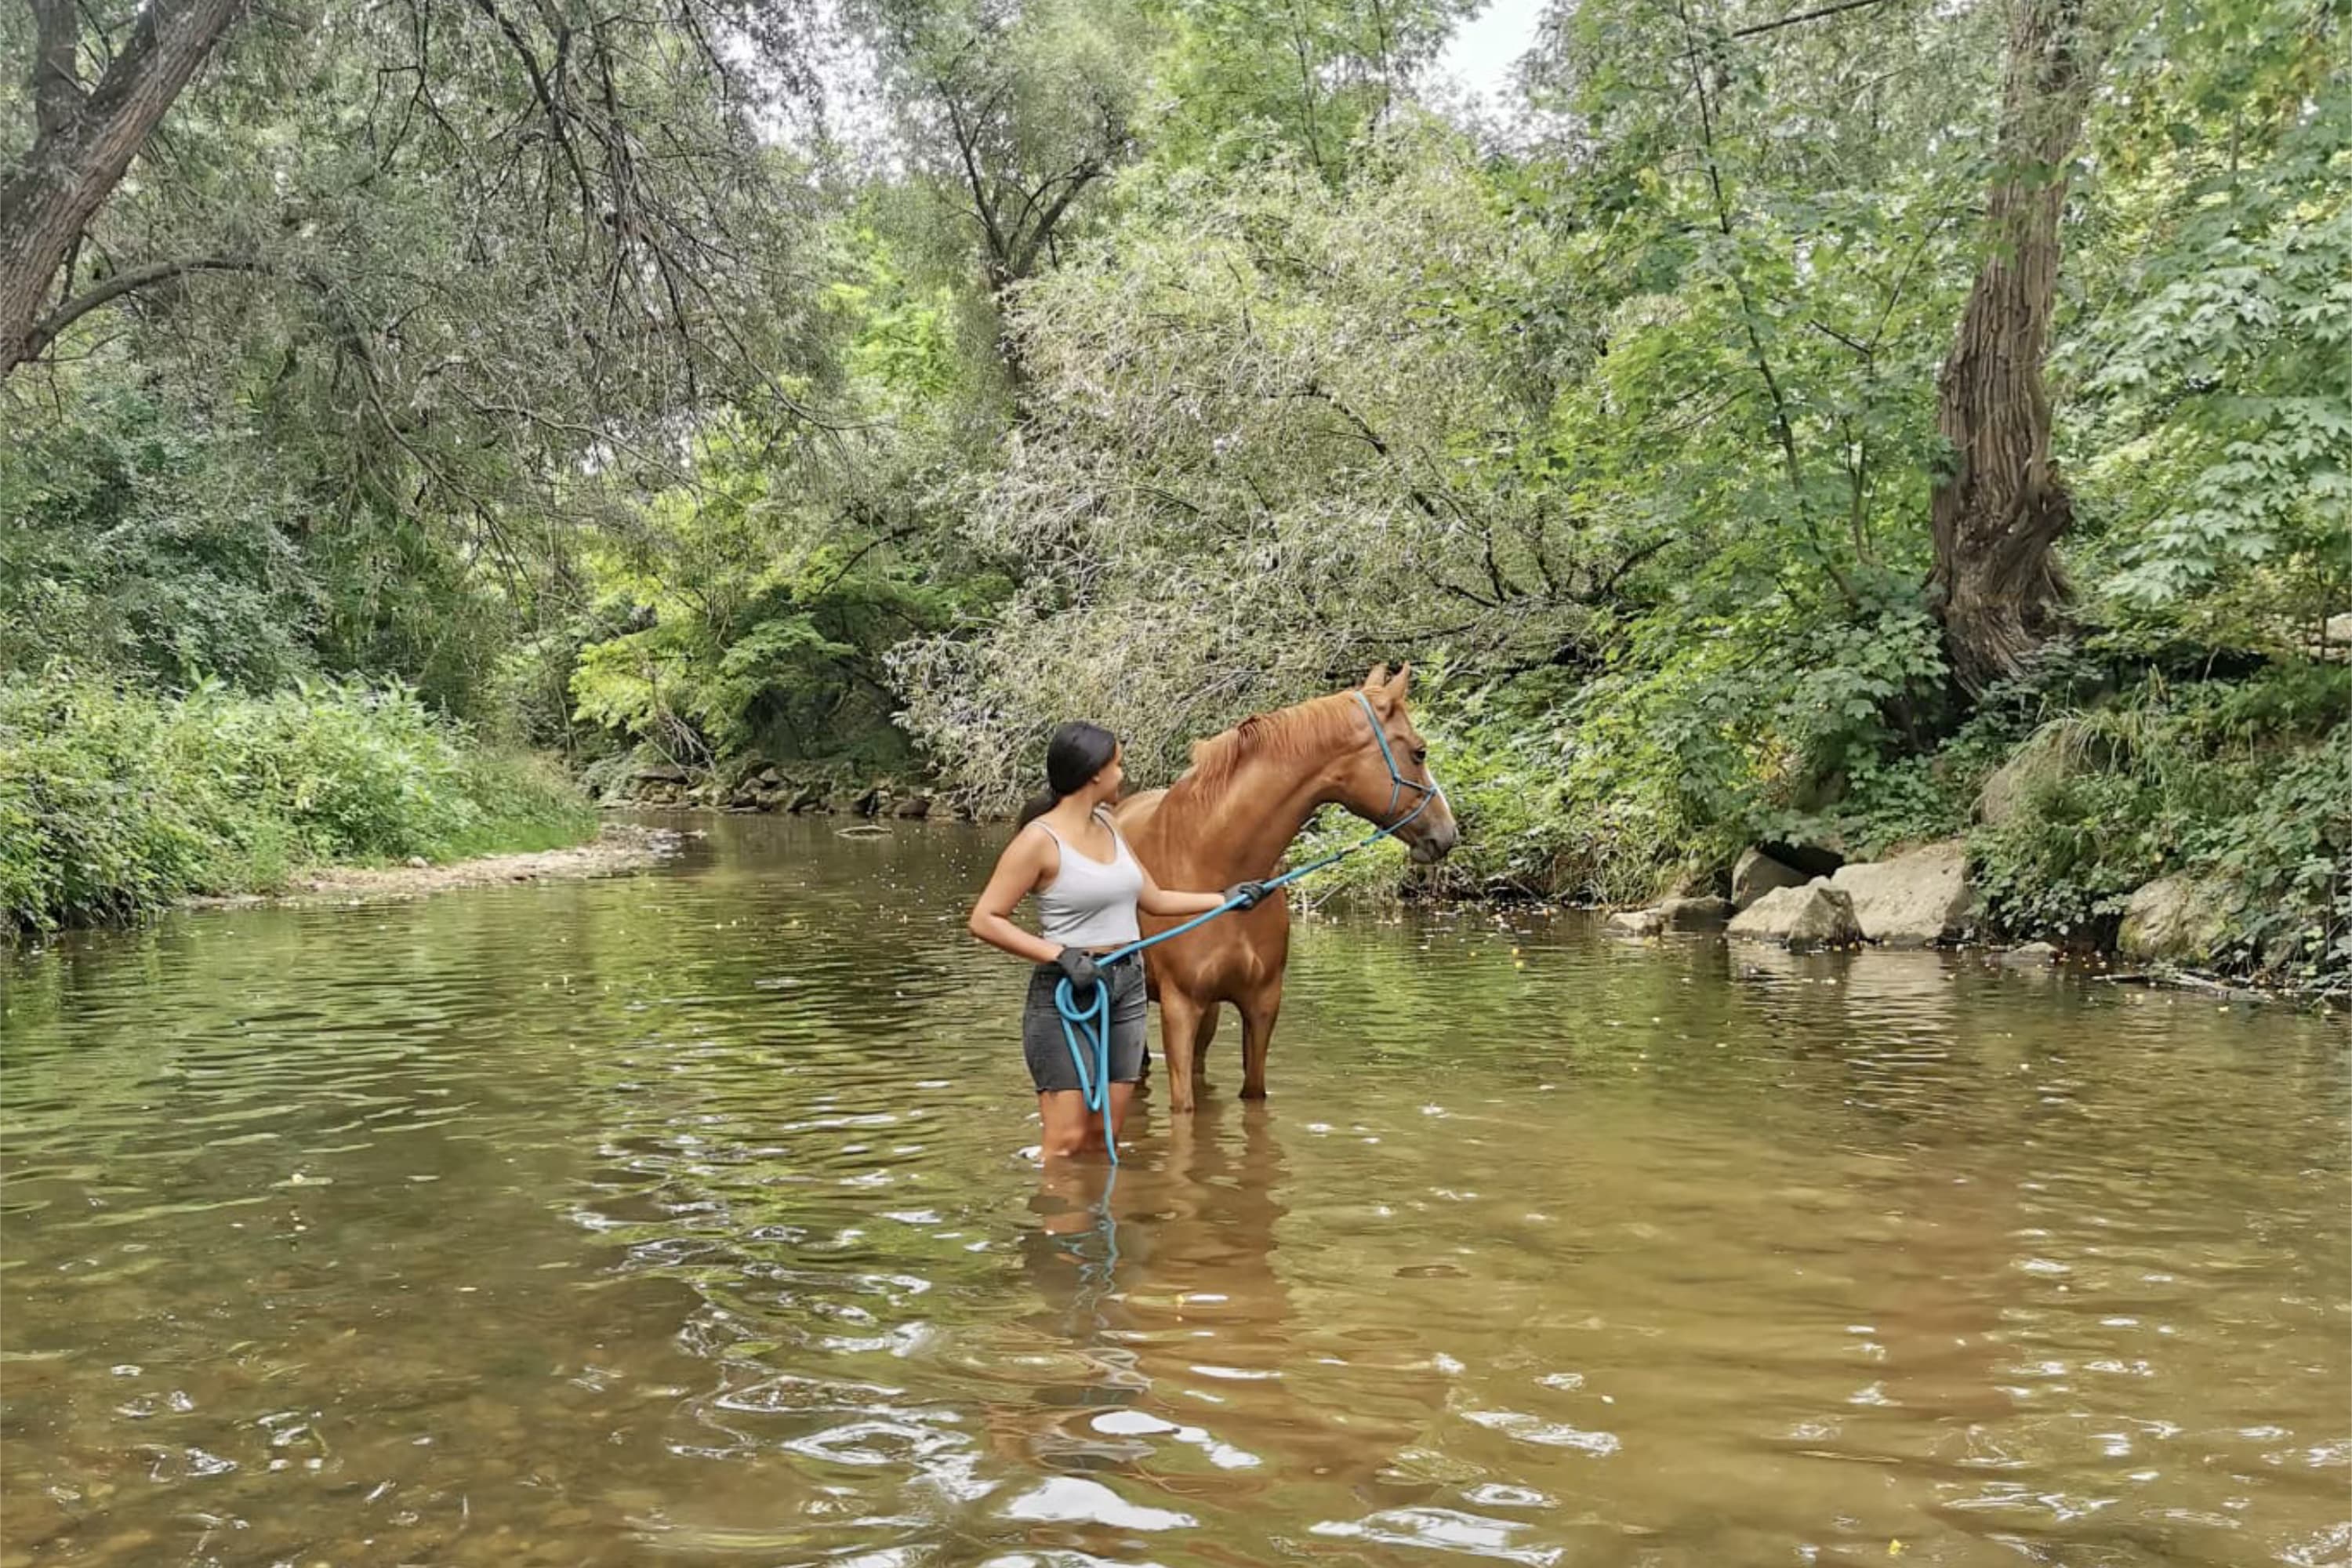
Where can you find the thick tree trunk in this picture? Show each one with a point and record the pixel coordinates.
(84, 144)
(1996, 586)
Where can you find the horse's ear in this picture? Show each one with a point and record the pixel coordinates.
(1377, 677)
(1398, 682)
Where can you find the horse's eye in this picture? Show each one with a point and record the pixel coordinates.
(1421, 753)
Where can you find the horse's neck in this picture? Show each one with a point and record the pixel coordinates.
(1241, 830)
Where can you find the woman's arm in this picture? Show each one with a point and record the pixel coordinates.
(1158, 901)
(1017, 871)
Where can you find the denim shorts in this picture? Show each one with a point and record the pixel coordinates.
(1048, 1051)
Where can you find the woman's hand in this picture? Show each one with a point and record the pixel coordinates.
(1244, 895)
(1080, 966)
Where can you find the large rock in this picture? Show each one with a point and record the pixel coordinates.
(1704, 912)
(661, 772)
(1815, 915)
(1757, 874)
(914, 806)
(2173, 919)
(1913, 900)
(2030, 769)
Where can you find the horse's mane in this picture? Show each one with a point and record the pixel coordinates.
(1304, 731)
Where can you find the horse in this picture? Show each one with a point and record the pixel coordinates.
(1231, 817)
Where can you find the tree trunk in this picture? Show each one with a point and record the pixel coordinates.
(84, 144)
(1996, 586)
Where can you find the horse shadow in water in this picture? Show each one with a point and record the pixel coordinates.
(1166, 1266)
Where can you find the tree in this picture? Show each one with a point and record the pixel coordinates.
(1277, 430)
(83, 143)
(1016, 114)
(1311, 78)
(1996, 513)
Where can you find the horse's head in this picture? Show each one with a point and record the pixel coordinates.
(1392, 782)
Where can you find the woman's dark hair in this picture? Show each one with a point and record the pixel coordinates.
(1077, 752)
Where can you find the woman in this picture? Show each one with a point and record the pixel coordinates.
(1088, 887)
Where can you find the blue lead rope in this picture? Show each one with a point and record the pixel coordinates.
(1085, 1029)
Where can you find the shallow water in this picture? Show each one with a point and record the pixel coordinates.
(686, 1220)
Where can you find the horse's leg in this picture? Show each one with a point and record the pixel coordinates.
(1179, 1026)
(1258, 1014)
(1203, 1037)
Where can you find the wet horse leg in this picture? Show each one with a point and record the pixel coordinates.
(1203, 1037)
(1179, 1026)
(1258, 1014)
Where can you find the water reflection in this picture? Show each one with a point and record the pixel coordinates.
(685, 1220)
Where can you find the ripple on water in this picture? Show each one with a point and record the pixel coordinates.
(684, 1219)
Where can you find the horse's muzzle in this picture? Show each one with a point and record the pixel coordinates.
(1435, 844)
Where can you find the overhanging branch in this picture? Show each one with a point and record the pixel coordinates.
(45, 331)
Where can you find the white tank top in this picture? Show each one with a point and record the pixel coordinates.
(1091, 903)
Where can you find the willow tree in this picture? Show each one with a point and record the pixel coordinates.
(430, 284)
(85, 136)
(1278, 430)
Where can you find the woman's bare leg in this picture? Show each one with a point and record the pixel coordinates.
(1067, 1122)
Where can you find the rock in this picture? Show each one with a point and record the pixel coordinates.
(808, 797)
(2032, 955)
(1757, 874)
(418, 862)
(2176, 919)
(2034, 767)
(1637, 923)
(661, 772)
(1704, 912)
(843, 804)
(1913, 900)
(1696, 882)
(1815, 915)
(915, 807)
(768, 778)
(870, 802)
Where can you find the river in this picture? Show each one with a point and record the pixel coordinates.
(686, 1219)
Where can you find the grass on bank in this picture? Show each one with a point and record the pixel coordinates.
(115, 801)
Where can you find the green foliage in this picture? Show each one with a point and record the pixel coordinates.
(135, 541)
(2218, 436)
(114, 804)
(1313, 79)
(760, 616)
(2229, 779)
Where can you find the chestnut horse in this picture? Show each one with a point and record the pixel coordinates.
(1231, 817)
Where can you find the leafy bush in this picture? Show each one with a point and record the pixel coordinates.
(2242, 782)
(114, 803)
